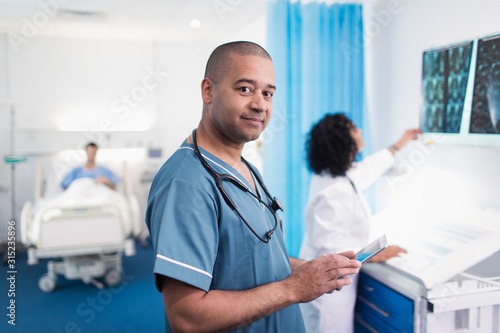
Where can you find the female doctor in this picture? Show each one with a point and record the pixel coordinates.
(337, 213)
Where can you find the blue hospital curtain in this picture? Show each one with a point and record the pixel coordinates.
(317, 50)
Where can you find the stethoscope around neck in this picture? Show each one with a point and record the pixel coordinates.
(219, 177)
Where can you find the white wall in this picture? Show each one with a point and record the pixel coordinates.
(401, 31)
(179, 99)
(90, 86)
(72, 84)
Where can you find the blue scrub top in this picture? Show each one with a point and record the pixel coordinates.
(82, 172)
(200, 240)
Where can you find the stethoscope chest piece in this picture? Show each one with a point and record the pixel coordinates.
(276, 205)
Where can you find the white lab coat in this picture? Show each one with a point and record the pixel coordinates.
(337, 220)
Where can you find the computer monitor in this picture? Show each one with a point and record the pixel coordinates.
(485, 113)
(445, 72)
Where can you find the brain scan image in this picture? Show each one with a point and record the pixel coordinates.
(444, 84)
(485, 115)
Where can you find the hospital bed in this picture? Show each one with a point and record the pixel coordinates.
(84, 231)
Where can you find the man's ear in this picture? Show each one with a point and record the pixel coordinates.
(207, 90)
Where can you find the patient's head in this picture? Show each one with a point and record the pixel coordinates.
(91, 150)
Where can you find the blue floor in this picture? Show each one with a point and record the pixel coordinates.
(132, 306)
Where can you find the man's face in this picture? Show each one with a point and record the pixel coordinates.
(241, 104)
(91, 152)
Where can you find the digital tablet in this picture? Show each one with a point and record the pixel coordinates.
(372, 249)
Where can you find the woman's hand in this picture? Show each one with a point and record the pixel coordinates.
(411, 134)
(390, 252)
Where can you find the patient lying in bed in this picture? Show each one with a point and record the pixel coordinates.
(83, 230)
(100, 174)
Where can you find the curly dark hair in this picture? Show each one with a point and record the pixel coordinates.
(330, 146)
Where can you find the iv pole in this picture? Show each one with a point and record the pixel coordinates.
(12, 158)
(12, 134)
(12, 165)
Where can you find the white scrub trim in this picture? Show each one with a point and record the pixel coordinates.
(184, 265)
(232, 174)
(229, 172)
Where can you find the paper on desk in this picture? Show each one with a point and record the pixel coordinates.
(443, 244)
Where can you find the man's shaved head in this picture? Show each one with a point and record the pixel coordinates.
(220, 58)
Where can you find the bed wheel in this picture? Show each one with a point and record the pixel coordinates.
(47, 283)
(113, 277)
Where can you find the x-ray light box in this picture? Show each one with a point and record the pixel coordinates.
(461, 92)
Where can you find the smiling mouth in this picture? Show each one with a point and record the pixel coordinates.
(255, 121)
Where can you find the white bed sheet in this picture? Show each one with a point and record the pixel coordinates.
(81, 194)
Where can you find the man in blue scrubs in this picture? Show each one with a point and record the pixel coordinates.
(213, 271)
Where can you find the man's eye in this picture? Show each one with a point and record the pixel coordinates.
(245, 89)
(268, 94)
